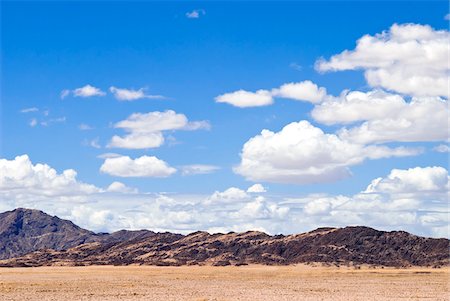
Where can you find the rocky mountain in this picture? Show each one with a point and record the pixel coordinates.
(350, 245)
(25, 230)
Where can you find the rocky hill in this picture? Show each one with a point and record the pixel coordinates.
(350, 245)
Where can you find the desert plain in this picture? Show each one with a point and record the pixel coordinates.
(253, 282)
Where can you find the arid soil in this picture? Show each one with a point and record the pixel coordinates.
(254, 282)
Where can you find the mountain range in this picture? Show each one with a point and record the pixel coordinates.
(33, 238)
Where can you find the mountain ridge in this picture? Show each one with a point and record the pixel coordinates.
(34, 238)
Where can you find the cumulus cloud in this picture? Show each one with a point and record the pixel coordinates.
(198, 169)
(130, 94)
(256, 188)
(301, 153)
(195, 14)
(145, 166)
(145, 129)
(413, 180)
(232, 194)
(33, 122)
(410, 59)
(120, 187)
(386, 117)
(245, 99)
(305, 91)
(21, 178)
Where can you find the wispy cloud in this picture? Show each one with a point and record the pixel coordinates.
(85, 127)
(195, 14)
(198, 169)
(130, 94)
(29, 110)
(33, 122)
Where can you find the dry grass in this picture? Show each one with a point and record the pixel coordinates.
(222, 283)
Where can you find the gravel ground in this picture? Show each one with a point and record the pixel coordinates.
(298, 282)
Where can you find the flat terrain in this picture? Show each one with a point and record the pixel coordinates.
(298, 282)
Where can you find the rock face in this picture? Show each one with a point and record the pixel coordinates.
(70, 245)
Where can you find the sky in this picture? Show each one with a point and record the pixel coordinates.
(227, 116)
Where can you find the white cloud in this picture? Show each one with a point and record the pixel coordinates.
(198, 169)
(145, 166)
(232, 194)
(442, 148)
(145, 129)
(301, 153)
(195, 14)
(447, 17)
(256, 188)
(29, 110)
(245, 99)
(87, 91)
(410, 59)
(306, 91)
(120, 187)
(130, 94)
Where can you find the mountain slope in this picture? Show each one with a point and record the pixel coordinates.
(350, 245)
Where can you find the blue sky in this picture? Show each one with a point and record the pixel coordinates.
(49, 47)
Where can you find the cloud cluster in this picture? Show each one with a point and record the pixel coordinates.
(120, 94)
(302, 154)
(145, 130)
(414, 200)
(410, 59)
(302, 91)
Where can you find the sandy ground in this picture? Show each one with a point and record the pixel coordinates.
(222, 283)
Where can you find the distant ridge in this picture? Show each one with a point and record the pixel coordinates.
(33, 238)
